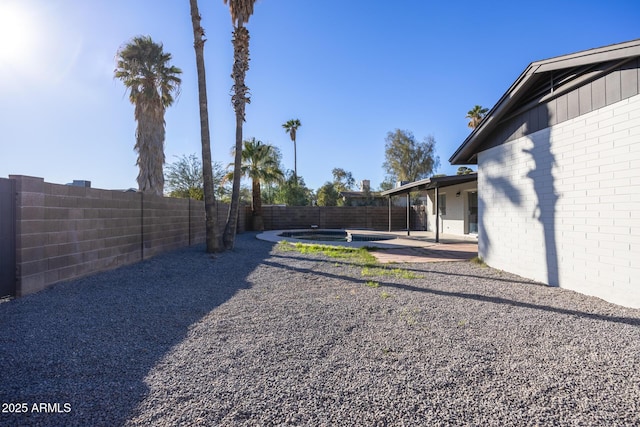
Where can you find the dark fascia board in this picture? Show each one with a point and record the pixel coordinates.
(407, 188)
(468, 150)
(466, 154)
(430, 183)
(602, 54)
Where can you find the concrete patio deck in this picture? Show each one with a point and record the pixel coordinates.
(419, 246)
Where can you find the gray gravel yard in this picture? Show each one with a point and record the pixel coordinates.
(264, 337)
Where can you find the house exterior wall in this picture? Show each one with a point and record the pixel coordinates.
(455, 220)
(562, 205)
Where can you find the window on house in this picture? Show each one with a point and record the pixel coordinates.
(442, 204)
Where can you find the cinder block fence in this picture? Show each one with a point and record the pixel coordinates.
(51, 232)
(64, 232)
(371, 217)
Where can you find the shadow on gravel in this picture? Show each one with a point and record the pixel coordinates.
(468, 296)
(498, 300)
(417, 270)
(83, 348)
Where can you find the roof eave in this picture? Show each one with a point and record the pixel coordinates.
(430, 183)
(467, 152)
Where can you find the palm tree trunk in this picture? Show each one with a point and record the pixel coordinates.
(213, 242)
(295, 160)
(150, 135)
(258, 223)
(256, 202)
(239, 99)
(232, 218)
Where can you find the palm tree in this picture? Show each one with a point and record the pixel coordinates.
(261, 163)
(476, 115)
(291, 127)
(210, 208)
(143, 67)
(241, 11)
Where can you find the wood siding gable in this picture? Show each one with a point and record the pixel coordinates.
(564, 95)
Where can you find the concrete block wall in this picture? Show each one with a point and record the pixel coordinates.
(562, 205)
(197, 220)
(64, 232)
(336, 217)
(288, 217)
(165, 224)
(371, 217)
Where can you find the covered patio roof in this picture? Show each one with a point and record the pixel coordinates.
(427, 184)
(431, 183)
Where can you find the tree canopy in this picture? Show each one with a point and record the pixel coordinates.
(260, 163)
(463, 170)
(327, 195)
(293, 191)
(407, 159)
(342, 179)
(291, 127)
(475, 116)
(143, 67)
(241, 10)
(184, 178)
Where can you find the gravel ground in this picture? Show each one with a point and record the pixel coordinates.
(260, 336)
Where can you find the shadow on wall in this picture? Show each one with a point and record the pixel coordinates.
(543, 185)
(504, 190)
(542, 179)
(92, 342)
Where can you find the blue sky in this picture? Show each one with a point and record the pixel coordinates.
(351, 71)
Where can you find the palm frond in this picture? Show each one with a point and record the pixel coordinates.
(291, 127)
(241, 10)
(143, 68)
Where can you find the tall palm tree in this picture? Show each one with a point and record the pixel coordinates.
(241, 11)
(210, 208)
(475, 116)
(291, 127)
(261, 163)
(144, 68)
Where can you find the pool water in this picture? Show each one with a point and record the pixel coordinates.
(333, 236)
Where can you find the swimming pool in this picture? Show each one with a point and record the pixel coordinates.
(334, 236)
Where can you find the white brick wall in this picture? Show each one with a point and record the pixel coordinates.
(574, 187)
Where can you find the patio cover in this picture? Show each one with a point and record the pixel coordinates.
(427, 184)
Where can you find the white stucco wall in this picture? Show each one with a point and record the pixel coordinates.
(455, 220)
(562, 205)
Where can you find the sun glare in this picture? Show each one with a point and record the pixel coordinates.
(16, 34)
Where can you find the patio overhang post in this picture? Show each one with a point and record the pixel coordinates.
(408, 208)
(389, 213)
(437, 199)
(427, 184)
